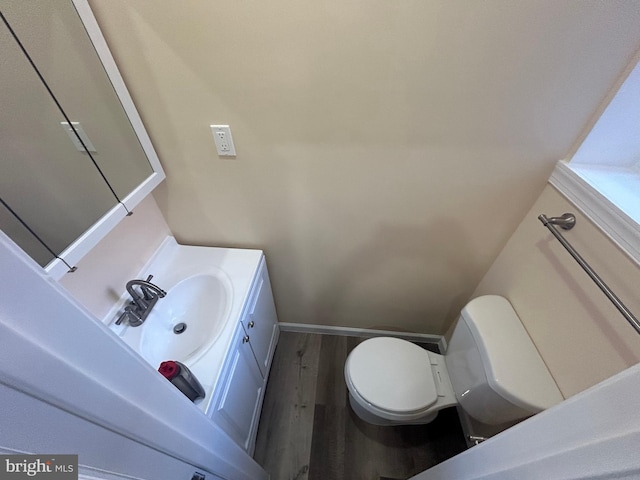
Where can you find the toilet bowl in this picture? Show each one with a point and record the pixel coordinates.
(393, 381)
(491, 369)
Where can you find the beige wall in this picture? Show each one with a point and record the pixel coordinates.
(103, 273)
(386, 150)
(582, 338)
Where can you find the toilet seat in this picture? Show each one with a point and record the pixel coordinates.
(392, 375)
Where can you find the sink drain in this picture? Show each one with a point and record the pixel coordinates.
(179, 328)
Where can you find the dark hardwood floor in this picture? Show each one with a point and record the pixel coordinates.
(309, 432)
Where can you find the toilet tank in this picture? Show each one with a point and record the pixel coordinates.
(495, 369)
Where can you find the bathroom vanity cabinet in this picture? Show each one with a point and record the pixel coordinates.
(238, 394)
(224, 298)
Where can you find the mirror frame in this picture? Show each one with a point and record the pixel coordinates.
(57, 268)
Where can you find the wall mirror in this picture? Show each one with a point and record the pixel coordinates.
(68, 186)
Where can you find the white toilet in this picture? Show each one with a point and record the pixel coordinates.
(491, 369)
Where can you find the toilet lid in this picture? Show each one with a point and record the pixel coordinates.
(392, 374)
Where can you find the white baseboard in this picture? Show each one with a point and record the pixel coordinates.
(363, 332)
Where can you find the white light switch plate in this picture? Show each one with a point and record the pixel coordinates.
(223, 139)
(81, 133)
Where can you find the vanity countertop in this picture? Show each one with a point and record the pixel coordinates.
(172, 263)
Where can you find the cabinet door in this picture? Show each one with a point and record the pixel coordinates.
(238, 403)
(260, 321)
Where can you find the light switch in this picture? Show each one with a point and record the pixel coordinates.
(74, 138)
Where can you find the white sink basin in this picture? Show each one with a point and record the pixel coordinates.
(208, 289)
(201, 304)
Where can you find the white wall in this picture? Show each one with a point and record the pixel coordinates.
(65, 433)
(615, 138)
(386, 150)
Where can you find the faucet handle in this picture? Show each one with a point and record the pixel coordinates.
(122, 317)
(130, 315)
(145, 292)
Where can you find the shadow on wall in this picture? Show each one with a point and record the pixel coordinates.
(597, 317)
(416, 276)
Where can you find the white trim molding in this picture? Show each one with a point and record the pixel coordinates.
(616, 224)
(364, 332)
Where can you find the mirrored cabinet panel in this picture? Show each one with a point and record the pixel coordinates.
(57, 42)
(44, 179)
(70, 185)
(21, 235)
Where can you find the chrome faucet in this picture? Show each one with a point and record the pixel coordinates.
(141, 302)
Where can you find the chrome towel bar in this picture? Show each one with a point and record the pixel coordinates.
(567, 222)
